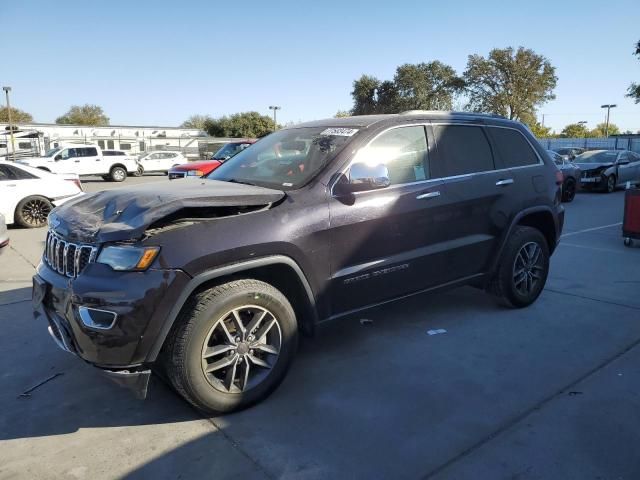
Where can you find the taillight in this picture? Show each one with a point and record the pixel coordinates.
(559, 177)
(77, 182)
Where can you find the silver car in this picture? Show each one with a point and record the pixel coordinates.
(608, 169)
(571, 173)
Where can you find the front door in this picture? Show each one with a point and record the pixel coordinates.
(384, 242)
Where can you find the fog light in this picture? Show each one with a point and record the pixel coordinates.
(96, 318)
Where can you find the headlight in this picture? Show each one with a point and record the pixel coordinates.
(128, 258)
(195, 173)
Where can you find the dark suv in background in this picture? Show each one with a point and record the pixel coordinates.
(210, 282)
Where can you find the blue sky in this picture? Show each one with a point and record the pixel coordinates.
(156, 63)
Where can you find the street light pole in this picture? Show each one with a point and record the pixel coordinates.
(13, 144)
(606, 128)
(275, 108)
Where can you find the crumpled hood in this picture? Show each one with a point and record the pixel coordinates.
(585, 167)
(125, 213)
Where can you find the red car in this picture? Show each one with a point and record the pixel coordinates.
(205, 167)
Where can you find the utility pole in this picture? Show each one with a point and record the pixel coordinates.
(606, 128)
(275, 108)
(13, 143)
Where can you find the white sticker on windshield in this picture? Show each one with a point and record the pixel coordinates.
(340, 132)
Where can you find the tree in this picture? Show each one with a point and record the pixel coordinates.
(422, 86)
(17, 116)
(364, 95)
(510, 83)
(342, 114)
(84, 115)
(196, 121)
(246, 125)
(601, 130)
(539, 130)
(634, 88)
(574, 130)
(426, 86)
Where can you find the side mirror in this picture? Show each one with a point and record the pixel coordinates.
(366, 177)
(623, 162)
(57, 158)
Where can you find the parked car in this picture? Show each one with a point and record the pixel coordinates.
(313, 222)
(569, 153)
(160, 161)
(205, 167)
(571, 173)
(84, 159)
(608, 169)
(27, 195)
(4, 235)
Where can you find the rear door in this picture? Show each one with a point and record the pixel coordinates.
(89, 162)
(479, 195)
(383, 241)
(626, 169)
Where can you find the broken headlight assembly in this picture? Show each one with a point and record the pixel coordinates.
(128, 258)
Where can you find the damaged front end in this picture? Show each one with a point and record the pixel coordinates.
(101, 286)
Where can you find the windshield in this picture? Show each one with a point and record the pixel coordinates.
(606, 156)
(229, 150)
(286, 159)
(52, 152)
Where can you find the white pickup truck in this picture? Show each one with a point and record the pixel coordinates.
(85, 159)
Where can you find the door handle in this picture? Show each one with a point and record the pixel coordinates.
(505, 181)
(428, 195)
(77, 161)
(11, 185)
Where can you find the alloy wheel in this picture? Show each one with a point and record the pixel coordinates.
(241, 349)
(528, 268)
(36, 211)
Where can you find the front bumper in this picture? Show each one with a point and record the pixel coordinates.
(593, 182)
(141, 301)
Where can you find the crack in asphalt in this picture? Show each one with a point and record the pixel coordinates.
(514, 421)
(22, 256)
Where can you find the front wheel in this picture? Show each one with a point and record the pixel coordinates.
(118, 174)
(139, 171)
(569, 190)
(523, 268)
(611, 183)
(231, 346)
(32, 212)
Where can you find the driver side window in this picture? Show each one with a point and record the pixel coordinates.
(403, 150)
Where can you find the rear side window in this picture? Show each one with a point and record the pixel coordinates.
(513, 148)
(404, 152)
(462, 150)
(9, 172)
(107, 153)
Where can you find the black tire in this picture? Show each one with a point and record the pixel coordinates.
(139, 171)
(628, 242)
(183, 355)
(32, 212)
(611, 184)
(568, 190)
(504, 284)
(118, 174)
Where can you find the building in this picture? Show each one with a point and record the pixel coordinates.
(33, 139)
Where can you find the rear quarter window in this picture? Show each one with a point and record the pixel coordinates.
(513, 148)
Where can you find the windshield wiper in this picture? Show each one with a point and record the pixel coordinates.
(242, 182)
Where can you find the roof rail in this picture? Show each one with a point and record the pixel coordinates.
(423, 112)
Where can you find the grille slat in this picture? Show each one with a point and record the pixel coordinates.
(67, 258)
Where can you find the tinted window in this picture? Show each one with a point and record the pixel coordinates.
(513, 148)
(108, 153)
(462, 150)
(403, 151)
(8, 172)
(623, 156)
(91, 152)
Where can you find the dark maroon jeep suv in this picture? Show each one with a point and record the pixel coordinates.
(210, 282)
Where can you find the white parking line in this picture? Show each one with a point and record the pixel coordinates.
(590, 229)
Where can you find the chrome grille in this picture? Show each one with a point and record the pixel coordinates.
(67, 258)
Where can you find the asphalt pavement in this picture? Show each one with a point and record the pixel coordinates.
(546, 392)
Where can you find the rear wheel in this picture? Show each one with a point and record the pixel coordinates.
(118, 174)
(523, 268)
(611, 183)
(568, 190)
(231, 346)
(32, 212)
